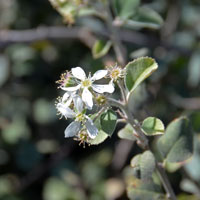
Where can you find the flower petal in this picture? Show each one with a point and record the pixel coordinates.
(71, 89)
(67, 100)
(65, 110)
(91, 128)
(99, 75)
(69, 113)
(103, 88)
(78, 103)
(87, 98)
(60, 107)
(72, 129)
(65, 96)
(78, 73)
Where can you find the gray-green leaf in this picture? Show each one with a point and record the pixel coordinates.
(153, 126)
(127, 133)
(101, 48)
(108, 121)
(138, 70)
(126, 9)
(176, 145)
(145, 18)
(148, 190)
(144, 165)
(101, 137)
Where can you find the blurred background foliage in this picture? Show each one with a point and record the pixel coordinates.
(36, 161)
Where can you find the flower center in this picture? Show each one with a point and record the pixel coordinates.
(80, 117)
(86, 83)
(115, 73)
(83, 138)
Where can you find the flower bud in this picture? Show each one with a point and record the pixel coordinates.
(101, 100)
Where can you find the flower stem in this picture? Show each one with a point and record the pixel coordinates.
(99, 113)
(122, 89)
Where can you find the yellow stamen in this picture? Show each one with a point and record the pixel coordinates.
(80, 117)
(86, 83)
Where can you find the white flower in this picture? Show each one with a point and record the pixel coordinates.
(87, 82)
(64, 103)
(81, 120)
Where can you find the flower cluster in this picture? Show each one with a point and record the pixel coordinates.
(81, 92)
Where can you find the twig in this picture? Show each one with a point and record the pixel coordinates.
(46, 33)
(165, 181)
(8, 37)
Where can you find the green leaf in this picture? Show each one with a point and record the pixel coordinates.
(135, 164)
(192, 166)
(138, 70)
(101, 137)
(189, 186)
(172, 167)
(147, 165)
(145, 18)
(101, 48)
(108, 121)
(126, 9)
(153, 126)
(144, 165)
(140, 190)
(127, 133)
(176, 145)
